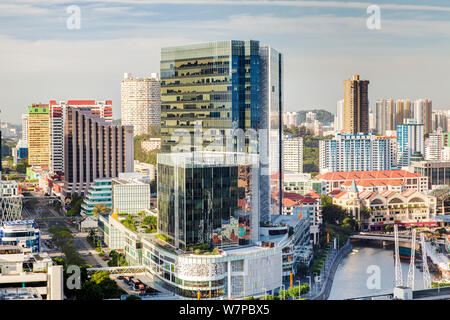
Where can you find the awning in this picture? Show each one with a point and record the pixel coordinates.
(422, 224)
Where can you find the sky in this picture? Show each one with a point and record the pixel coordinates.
(323, 42)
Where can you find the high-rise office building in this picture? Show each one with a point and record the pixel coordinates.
(409, 141)
(355, 152)
(212, 199)
(226, 88)
(141, 103)
(39, 135)
(102, 109)
(293, 154)
(356, 105)
(94, 149)
(385, 116)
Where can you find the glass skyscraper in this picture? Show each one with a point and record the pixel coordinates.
(208, 198)
(211, 90)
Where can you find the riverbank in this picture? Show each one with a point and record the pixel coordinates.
(329, 276)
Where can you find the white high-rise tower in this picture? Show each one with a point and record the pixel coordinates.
(141, 102)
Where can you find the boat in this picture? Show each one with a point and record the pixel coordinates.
(404, 250)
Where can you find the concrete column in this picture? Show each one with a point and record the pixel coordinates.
(55, 283)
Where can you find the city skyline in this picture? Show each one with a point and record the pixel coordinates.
(126, 36)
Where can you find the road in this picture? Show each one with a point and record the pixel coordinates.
(41, 207)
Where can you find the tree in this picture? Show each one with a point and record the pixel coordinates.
(100, 209)
(133, 297)
(283, 294)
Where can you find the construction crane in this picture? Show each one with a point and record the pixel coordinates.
(398, 266)
(411, 271)
(426, 272)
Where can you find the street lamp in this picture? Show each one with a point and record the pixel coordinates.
(310, 288)
(284, 291)
(299, 289)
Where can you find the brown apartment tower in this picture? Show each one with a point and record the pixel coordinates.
(94, 149)
(356, 105)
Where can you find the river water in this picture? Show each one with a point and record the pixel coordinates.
(352, 274)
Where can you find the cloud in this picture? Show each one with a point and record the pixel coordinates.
(274, 3)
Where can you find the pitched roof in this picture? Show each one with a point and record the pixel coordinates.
(375, 182)
(367, 175)
(289, 203)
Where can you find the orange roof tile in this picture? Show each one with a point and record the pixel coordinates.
(367, 175)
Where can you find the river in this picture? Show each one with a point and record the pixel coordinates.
(352, 274)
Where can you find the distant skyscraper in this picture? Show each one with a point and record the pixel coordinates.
(141, 102)
(290, 119)
(38, 135)
(385, 116)
(403, 110)
(293, 154)
(339, 125)
(102, 109)
(355, 152)
(94, 149)
(224, 87)
(434, 146)
(25, 129)
(409, 140)
(356, 105)
(423, 113)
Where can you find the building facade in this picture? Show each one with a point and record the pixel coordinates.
(141, 103)
(22, 233)
(215, 93)
(385, 116)
(293, 154)
(58, 109)
(208, 198)
(10, 201)
(39, 135)
(131, 195)
(94, 149)
(98, 193)
(356, 105)
(377, 209)
(409, 140)
(355, 152)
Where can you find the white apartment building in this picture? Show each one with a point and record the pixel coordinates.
(140, 102)
(355, 152)
(434, 145)
(339, 122)
(291, 119)
(293, 154)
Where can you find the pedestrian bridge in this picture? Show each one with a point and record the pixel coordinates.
(380, 237)
(119, 270)
(385, 237)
